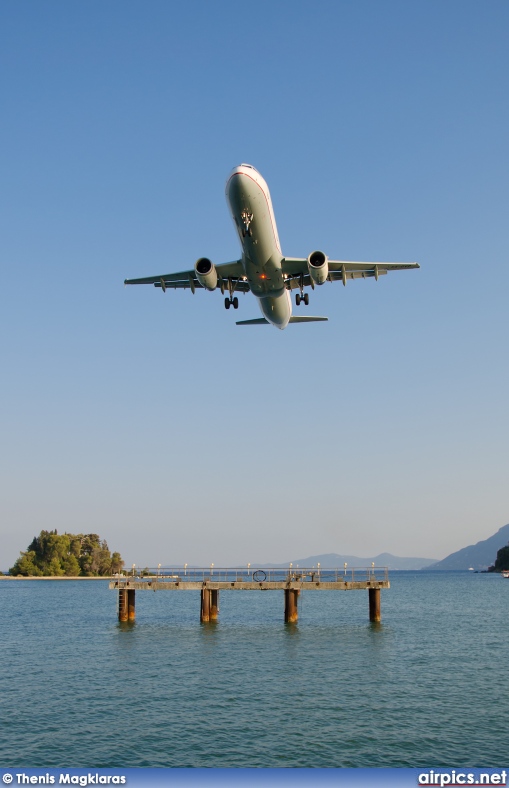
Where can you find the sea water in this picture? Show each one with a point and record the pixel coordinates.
(429, 686)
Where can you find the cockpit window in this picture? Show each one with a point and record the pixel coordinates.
(250, 166)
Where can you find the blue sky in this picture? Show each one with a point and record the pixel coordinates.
(150, 418)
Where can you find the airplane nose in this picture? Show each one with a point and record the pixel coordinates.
(236, 171)
(244, 169)
(233, 183)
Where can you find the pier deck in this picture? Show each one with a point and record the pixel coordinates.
(210, 581)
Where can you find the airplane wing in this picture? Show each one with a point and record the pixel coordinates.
(339, 270)
(184, 279)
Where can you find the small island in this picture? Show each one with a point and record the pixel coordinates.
(67, 555)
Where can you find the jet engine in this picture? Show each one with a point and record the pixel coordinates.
(206, 273)
(318, 267)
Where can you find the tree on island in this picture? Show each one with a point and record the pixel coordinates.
(70, 555)
(502, 562)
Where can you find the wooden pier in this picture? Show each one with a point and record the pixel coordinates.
(209, 582)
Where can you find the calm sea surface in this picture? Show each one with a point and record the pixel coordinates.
(427, 687)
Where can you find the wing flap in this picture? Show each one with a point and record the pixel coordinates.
(351, 266)
(297, 267)
(239, 285)
(185, 279)
(293, 282)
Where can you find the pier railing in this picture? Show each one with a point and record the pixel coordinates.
(253, 574)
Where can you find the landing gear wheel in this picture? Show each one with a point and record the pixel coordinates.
(297, 299)
(306, 298)
(227, 303)
(235, 303)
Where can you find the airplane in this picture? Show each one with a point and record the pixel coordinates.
(262, 269)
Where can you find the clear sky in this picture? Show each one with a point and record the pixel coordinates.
(150, 418)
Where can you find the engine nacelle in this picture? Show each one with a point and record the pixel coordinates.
(318, 267)
(206, 273)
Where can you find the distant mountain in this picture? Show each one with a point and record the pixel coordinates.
(334, 560)
(479, 556)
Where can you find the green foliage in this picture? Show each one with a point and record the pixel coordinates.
(25, 565)
(117, 563)
(68, 554)
(502, 562)
(71, 566)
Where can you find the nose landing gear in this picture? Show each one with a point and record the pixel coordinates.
(247, 218)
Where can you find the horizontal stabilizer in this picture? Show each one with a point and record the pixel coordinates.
(257, 321)
(299, 319)
(260, 321)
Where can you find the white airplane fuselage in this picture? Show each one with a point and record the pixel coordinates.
(250, 205)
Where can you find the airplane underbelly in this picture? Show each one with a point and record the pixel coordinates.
(276, 310)
(251, 209)
(265, 279)
(258, 236)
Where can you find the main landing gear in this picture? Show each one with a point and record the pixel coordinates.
(302, 296)
(231, 300)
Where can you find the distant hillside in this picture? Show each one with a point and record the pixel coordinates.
(333, 560)
(479, 556)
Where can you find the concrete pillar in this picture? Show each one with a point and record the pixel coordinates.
(131, 604)
(375, 613)
(291, 610)
(122, 604)
(214, 604)
(205, 605)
